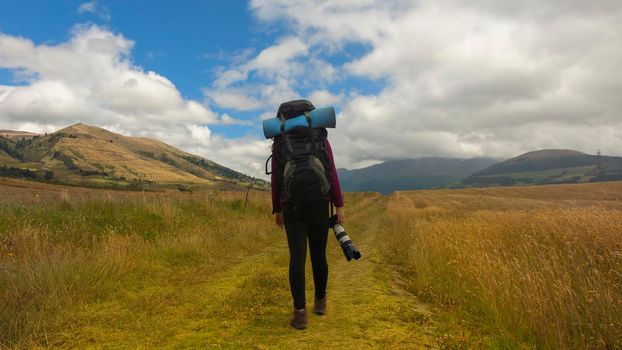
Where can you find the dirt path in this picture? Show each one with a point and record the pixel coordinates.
(248, 304)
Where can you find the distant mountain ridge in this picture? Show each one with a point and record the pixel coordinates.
(87, 155)
(551, 166)
(10, 134)
(92, 156)
(409, 174)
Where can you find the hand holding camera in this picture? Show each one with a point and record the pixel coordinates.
(349, 249)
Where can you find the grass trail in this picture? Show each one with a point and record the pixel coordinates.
(248, 304)
(504, 268)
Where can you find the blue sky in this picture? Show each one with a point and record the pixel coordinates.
(188, 44)
(173, 40)
(185, 43)
(409, 78)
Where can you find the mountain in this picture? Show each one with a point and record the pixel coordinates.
(410, 174)
(14, 135)
(92, 156)
(550, 166)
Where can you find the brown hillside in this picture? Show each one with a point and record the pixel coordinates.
(80, 153)
(93, 154)
(136, 156)
(10, 134)
(5, 158)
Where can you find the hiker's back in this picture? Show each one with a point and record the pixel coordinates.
(304, 172)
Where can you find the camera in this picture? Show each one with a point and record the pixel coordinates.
(349, 249)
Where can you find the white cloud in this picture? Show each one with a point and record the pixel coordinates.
(274, 75)
(91, 79)
(321, 98)
(87, 7)
(229, 120)
(233, 98)
(246, 153)
(94, 8)
(467, 77)
(278, 59)
(448, 78)
(267, 115)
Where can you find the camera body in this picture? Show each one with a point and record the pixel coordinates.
(348, 247)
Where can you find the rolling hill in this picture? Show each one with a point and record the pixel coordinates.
(92, 156)
(552, 166)
(15, 135)
(409, 174)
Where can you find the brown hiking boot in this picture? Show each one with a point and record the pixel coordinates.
(299, 319)
(320, 306)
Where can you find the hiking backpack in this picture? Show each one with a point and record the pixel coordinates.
(304, 172)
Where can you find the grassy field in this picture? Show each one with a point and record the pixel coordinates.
(529, 266)
(82, 268)
(77, 263)
(526, 267)
(581, 173)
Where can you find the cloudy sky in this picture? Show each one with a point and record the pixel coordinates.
(455, 78)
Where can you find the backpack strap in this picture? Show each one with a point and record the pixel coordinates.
(267, 161)
(308, 116)
(313, 135)
(282, 120)
(289, 149)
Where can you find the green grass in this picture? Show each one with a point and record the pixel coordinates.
(558, 175)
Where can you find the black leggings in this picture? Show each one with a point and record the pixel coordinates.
(301, 223)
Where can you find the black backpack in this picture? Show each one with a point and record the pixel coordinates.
(304, 172)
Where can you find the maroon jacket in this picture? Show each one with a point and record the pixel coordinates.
(278, 199)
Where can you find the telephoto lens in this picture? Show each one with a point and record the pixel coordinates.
(349, 249)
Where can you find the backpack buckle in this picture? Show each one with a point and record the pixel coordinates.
(308, 116)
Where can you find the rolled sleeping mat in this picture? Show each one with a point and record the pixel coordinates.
(320, 118)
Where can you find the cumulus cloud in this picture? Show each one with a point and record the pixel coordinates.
(229, 120)
(246, 153)
(467, 78)
(274, 75)
(456, 78)
(324, 97)
(91, 79)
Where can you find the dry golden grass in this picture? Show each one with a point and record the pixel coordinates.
(123, 161)
(131, 157)
(5, 158)
(64, 250)
(537, 266)
(530, 267)
(84, 268)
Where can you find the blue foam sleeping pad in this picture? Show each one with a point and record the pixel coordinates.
(320, 118)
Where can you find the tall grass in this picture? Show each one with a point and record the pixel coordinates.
(539, 267)
(531, 266)
(66, 252)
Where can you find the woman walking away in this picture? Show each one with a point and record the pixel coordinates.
(304, 181)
